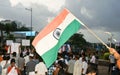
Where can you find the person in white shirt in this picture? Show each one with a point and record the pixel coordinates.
(93, 61)
(84, 66)
(40, 68)
(93, 58)
(77, 66)
(111, 62)
(71, 63)
(26, 58)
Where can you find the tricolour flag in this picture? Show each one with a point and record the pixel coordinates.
(54, 35)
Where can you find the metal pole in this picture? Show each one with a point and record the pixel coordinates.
(30, 9)
(31, 22)
(115, 42)
(111, 38)
(111, 41)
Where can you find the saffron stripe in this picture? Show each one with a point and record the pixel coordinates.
(50, 27)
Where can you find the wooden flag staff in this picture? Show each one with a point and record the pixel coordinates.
(94, 34)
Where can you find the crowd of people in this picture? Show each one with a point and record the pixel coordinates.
(28, 62)
(75, 64)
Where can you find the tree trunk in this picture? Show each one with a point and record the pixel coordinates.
(1, 43)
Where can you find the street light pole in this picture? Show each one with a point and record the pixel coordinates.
(115, 42)
(111, 38)
(30, 9)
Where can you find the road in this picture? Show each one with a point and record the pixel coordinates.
(103, 70)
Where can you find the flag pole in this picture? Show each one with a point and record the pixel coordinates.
(94, 34)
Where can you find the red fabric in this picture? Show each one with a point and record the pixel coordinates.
(9, 68)
(6, 48)
(1, 58)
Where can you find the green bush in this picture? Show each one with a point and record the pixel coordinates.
(106, 56)
(101, 57)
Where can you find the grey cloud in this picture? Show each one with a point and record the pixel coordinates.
(39, 16)
(105, 16)
(105, 13)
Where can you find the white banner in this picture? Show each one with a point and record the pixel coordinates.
(25, 42)
(9, 42)
(15, 47)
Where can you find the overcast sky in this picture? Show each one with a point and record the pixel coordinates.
(99, 15)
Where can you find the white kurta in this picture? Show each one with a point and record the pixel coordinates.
(77, 68)
(40, 68)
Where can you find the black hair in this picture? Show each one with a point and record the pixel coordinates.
(21, 54)
(14, 54)
(12, 60)
(60, 63)
(91, 69)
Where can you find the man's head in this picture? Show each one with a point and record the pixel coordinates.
(91, 70)
(14, 54)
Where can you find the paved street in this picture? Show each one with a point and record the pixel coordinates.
(103, 70)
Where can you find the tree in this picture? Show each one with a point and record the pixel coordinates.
(77, 40)
(1, 31)
(10, 27)
(23, 28)
(14, 25)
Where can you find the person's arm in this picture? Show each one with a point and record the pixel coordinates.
(116, 55)
(56, 71)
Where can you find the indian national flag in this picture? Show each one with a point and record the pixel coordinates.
(54, 35)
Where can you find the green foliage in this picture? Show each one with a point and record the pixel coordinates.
(106, 56)
(9, 27)
(77, 40)
(1, 28)
(23, 28)
(10, 37)
(12, 26)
